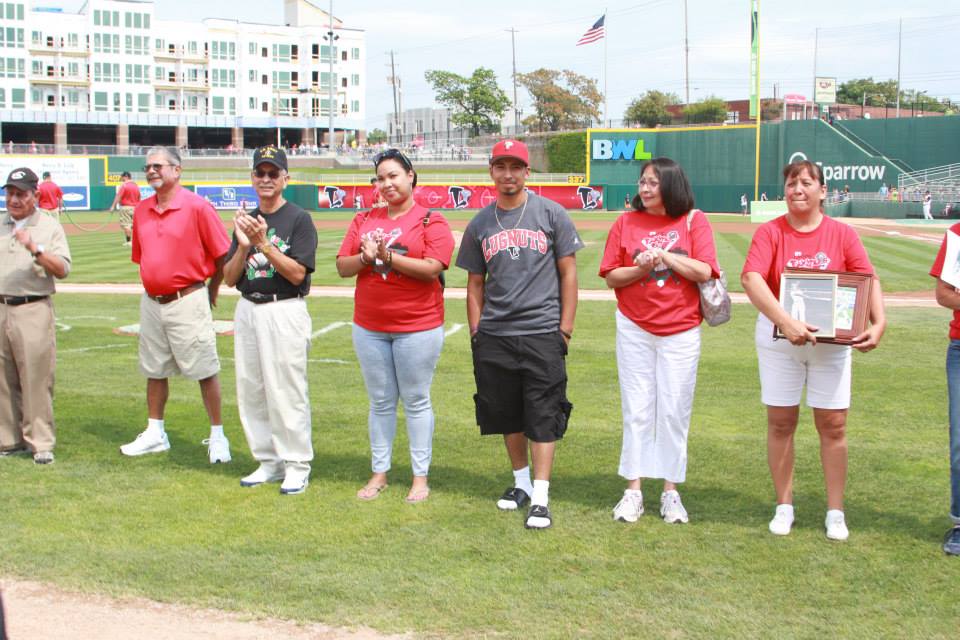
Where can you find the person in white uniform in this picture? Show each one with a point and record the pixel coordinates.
(270, 261)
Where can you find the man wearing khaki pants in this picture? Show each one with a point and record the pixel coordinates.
(179, 242)
(33, 251)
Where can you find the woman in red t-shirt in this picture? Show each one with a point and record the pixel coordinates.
(397, 253)
(805, 237)
(654, 257)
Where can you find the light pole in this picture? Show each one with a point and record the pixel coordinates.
(331, 38)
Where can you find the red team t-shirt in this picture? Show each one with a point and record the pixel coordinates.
(49, 195)
(386, 300)
(129, 194)
(662, 303)
(936, 270)
(776, 246)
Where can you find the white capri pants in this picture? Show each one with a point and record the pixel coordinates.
(658, 375)
(785, 369)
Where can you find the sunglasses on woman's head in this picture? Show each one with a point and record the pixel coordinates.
(392, 154)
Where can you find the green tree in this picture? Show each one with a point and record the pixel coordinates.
(561, 99)
(377, 136)
(710, 109)
(878, 94)
(650, 109)
(477, 102)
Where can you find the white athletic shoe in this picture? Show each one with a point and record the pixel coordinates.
(149, 441)
(218, 449)
(836, 526)
(671, 509)
(295, 481)
(630, 507)
(782, 520)
(264, 473)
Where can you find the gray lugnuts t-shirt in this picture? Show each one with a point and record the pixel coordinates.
(521, 292)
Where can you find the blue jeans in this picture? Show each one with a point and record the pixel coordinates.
(399, 365)
(953, 387)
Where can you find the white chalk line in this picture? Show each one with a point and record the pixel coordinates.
(330, 327)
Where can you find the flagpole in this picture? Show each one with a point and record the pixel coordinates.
(606, 106)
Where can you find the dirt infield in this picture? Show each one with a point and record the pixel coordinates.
(44, 612)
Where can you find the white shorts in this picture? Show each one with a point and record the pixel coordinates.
(178, 338)
(785, 369)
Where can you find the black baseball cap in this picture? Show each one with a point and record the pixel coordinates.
(23, 178)
(271, 155)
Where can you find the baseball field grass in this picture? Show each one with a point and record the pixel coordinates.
(173, 528)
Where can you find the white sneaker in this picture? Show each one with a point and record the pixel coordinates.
(295, 481)
(630, 507)
(782, 520)
(671, 509)
(218, 449)
(836, 526)
(149, 441)
(264, 473)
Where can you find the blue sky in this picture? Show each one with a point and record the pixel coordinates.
(644, 43)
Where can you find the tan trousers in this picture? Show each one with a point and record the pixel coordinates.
(28, 351)
(54, 213)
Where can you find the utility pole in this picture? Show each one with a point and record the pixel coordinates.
(686, 51)
(516, 113)
(393, 82)
(816, 43)
(899, 51)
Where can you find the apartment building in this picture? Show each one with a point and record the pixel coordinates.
(113, 73)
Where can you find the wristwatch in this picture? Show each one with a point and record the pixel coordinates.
(38, 251)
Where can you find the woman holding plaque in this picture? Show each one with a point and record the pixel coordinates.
(655, 255)
(805, 238)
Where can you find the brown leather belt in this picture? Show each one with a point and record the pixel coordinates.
(15, 301)
(176, 295)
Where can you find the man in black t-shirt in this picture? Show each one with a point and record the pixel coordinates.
(270, 261)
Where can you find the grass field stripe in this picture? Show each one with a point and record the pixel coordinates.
(94, 348)
(452, 330)
(327, 361)
(330, 327)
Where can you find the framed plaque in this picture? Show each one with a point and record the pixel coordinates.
(837, 302)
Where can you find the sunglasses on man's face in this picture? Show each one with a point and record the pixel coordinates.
(262, 173)
(156, 166)
(392, 154)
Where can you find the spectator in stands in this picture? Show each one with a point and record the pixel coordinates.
(884, 192)
(894, 195)
(805, 237)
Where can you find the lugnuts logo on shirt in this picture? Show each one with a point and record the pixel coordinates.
(819, 261)
(665, 241)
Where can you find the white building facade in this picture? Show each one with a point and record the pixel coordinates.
(115, 63)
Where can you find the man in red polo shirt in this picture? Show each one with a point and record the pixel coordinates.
(49, 197)
(179, 242)
(128, 196)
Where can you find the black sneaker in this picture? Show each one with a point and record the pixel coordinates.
(951, 542)
(512, 499)
(16, 451)
(538, 517)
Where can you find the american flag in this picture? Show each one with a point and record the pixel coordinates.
(594, 33)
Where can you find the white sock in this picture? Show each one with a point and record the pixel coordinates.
(521, 480)
(216, 431)
(540, 495)
(786, 509)
(157, 425)
(633, 492)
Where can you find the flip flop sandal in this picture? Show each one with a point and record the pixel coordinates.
(370, 492)
(420, 495)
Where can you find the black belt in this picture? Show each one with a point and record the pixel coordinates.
(16, 301)
(261, 298)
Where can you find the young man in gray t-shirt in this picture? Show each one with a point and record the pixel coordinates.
(521, 303)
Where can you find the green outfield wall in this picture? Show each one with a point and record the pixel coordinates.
(922, 143)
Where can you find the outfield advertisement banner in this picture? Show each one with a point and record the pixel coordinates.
(72, 175)
(462, 196)
(228, 196)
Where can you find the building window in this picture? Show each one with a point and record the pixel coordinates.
(253, 75)
(343, 82)
(217, 105)
(143, 103)
(343, 55)
(100, 101)
(252, 104)
(355, 106)
(129, 102)
(355, 79)
(355, 53)
(252, 50)
(265, 107)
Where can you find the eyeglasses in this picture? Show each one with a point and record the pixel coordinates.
(392, 154)
(273, 175)
(653, 184)
(156, 166)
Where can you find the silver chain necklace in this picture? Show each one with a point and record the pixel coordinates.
(496, 208)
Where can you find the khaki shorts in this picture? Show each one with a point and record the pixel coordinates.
(54, 213)
(178, 338)
(126, 217)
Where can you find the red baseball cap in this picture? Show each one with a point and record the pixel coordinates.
(510, 149)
